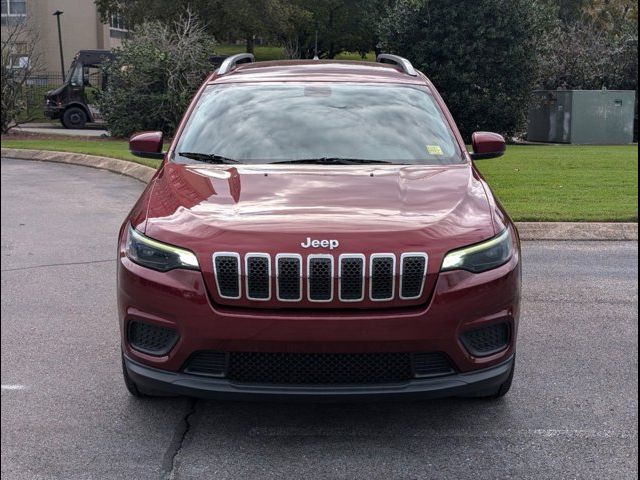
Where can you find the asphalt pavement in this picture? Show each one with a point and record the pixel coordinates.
(572, 411)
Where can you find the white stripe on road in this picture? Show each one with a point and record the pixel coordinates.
(429, 432)
(14, 387)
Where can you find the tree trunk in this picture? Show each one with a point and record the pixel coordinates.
(250, 44)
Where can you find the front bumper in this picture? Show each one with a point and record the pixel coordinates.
(52, 112)
(461, 301)
(178, 383)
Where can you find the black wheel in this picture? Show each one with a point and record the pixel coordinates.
(74, 117)
(500, 392)
(130, 384)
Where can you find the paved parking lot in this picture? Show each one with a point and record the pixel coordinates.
(572, 412)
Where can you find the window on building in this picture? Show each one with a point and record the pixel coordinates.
(13, 11)
(116, 21)
(117, 26)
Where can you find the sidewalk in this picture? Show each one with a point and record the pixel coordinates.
(58, 129)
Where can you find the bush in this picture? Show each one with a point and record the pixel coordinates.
(154, 76)
(482, 56)
(18, 42)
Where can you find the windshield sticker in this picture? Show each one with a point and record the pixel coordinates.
(434, 150)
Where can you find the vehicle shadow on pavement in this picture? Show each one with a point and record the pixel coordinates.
(383, 419)
(339, 440)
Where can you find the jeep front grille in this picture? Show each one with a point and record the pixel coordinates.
(354, 277)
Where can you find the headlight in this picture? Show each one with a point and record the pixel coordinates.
(481, 256)
(157, 255)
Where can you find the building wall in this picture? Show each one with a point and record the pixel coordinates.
(80, 26)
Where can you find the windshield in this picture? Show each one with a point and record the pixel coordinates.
(75, 74)
(289, 122)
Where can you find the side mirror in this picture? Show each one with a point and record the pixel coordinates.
(147, 145)
(487, 145)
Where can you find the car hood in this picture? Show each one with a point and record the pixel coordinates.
(275, 208)
(444, 206)
(199, 201)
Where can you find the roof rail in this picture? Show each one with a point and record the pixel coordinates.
(402, 62)
(231, 62)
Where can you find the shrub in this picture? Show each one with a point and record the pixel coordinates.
(154, 76)
(482, 56)
(19, 63)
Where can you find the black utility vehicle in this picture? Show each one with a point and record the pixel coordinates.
(74, 101)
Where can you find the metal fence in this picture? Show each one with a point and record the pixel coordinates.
(34, 89)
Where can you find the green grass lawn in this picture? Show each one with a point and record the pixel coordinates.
(103, 148)
(566, 183)
(534, 182)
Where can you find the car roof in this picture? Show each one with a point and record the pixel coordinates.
(319, 71)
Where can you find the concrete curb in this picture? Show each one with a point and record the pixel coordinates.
(130, 169)
(577, 231)
(528, 230)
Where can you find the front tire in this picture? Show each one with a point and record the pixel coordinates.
(74, 117)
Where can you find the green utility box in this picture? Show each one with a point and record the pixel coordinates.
(582, 116)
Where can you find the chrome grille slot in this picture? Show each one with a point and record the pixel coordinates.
(227, 273)
(382, 273)
(289, 277)
(258, 276)
(351, 277)
(413, 268)
(320, 278)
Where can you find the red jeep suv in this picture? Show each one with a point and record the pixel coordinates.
(317, 229)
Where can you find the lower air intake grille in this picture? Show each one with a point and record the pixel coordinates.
(151, 339)
(213, 364)
(296, 368)
(486, 340)
(318, 368)
(430, 365)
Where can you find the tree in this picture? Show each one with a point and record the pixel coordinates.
(19, 64)
(341, 25)
(154, 76)
(223, 19)
(482, 56)
(595, 48)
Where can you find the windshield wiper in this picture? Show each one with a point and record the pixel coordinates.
(333, 161)
(207, 157)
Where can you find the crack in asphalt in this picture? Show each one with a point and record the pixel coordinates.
(56, 265)
(170, 462)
